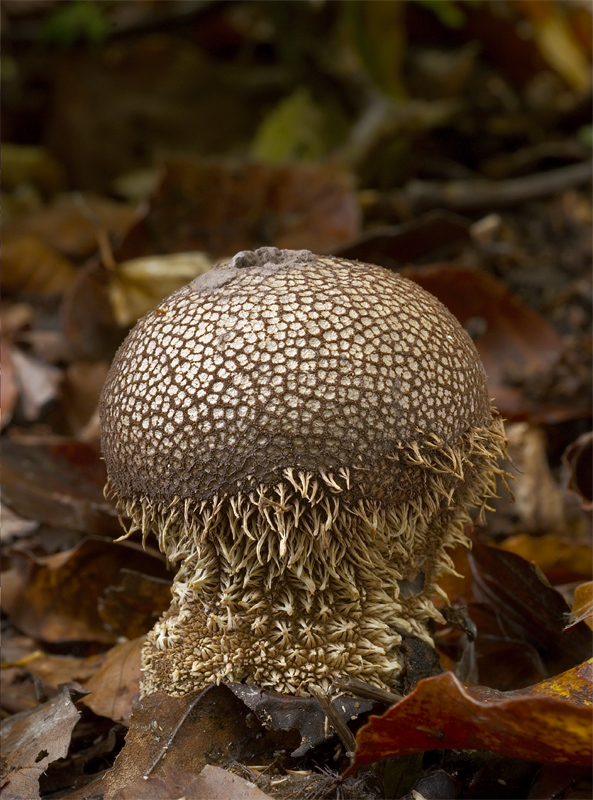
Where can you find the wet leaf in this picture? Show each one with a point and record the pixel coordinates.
(115, 685)
(283, 712)
(31, 741)
(225, 207)
(187, 732)
(54, 598)
(529, 608)
(549, 722)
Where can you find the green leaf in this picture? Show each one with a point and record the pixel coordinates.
(293, 131)
(76, 20)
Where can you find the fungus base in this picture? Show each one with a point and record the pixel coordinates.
(304, 582)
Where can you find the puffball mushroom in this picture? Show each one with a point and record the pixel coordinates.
(305, 436)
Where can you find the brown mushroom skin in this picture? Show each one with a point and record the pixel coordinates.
(305, 436)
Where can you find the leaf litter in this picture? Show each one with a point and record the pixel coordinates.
(463, 165)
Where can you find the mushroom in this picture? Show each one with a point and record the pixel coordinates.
(305, 436)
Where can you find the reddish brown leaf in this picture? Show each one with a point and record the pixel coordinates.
(549, 722)
(55, 598)
(31, 741)
(513, 340)
(528, 608)
(222, 208)
(116, 684)
(133, 606)
(60, 483)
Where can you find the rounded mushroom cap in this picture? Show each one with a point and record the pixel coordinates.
(286, 361)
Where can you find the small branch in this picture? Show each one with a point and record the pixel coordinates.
(359, 688)
(479, 195)
(343, 732)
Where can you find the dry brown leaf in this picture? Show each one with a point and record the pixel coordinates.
(33, 739)
(212, 782)
(209, 726)
(71, 223)
(548, 722)
(224, 207)
(561, 560)
(30, 265)
(582, 607)
(9, 389)
(116, 684)
(55, 598)
(135, 287)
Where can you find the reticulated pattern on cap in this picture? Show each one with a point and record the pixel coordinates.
(287, 361)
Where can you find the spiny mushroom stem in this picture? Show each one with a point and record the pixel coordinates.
(309, 588)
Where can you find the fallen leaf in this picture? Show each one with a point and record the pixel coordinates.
(560, 559)
(9, 388)
(134, 605)
(59, 482)
(54, 598)
(115, 685)
(538, 499)
(31, 741)
(34, 267)
(578, 462)
(548, 722)
(135, 287)
(71, 223)
(582, 607)
(212, 782)
(224, 207)
(283, 712)
(402, 244)
(211, 726)
(529, 609)
(38, 383)
(14, 526)
(512, 339)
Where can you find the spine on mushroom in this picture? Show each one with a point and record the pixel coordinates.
(300, 581)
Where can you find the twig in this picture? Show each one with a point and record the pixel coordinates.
(361, 689)
(344, 733)
(483, 194)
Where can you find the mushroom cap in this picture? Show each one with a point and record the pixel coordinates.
(284, 362)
